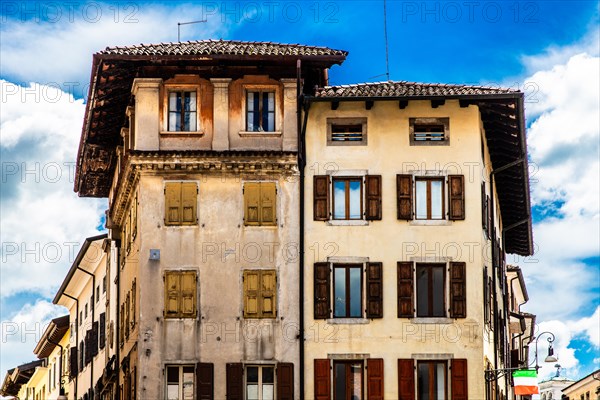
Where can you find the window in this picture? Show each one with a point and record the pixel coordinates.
(429, 131)
(80, 317)
(432, 298)
(181, 200)
(424, 198)
(180, 382)
(182, 111)
(260, 294)
(434, 381)
(180, 294)
(86, 310)
(260, 111)
(260, 382)
(431, 380)
(97, 293)
(348, 380)
(260, 201)
(347, 290)
(354, 198)
(346, 131)
(104, 284)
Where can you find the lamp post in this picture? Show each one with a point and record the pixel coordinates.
(550, 357)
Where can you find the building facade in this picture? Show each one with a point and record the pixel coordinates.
(586, 388)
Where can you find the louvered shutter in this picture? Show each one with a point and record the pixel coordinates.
(268, 201)
(251, 294)
(406, 307)
(102, 331)
(458, 379)
(489, 217)
(73, 370)
(486, 297)
(456, 200)
(267, 295)
(375, 379)
(484, 211)
(81, 355)
(205, 376)
(94, 340)
(172, 291)
(322, 379)
(373, 197)
(285, 381)
(235, 381)
(374, 290)
(189, 201)
(322, 291)
(458, 290)
(188, 294)
(88, 348)
(404, 189)
(172, 203)
(252, 203)
(133, 301)
(321, 197)
(406, 379)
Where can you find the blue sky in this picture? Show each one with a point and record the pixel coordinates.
(549, 49)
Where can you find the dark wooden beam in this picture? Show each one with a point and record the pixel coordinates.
(369, 104)
(402, 104)
(464, 103)
(437, 103)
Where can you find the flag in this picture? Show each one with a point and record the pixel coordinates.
(525, 382)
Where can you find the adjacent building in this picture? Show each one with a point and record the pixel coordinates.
(587, 388)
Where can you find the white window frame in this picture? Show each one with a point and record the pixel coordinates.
(349, 173)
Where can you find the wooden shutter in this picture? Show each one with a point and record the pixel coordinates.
(81, 356)
(188, 294)
(406, 379)
(134, 213)
(374, 290)
(205, 376)
(285, 381)
(252, 203)
(375, 379)
(489, 216)
(373, 198)
(189, 201)
(172, 203)
(235, 381)
(268, 201)
(458, 376)
(486, 296)
(404, 191)
(322, 291)
(102, 331)
(268, 292)
(251, 294)
(88, 352)
(133, 301)
(456, 198)
(73, 370)
(322, 379)
(94, 340)
(484, 211)
(458, 290)
(127, 314)
(406, 308)
(321, 197)
(172, 290)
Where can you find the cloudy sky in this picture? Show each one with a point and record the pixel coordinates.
(548, 49)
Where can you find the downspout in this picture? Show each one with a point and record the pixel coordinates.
(76, 336)
(60, 369)
(92, 311)
(117, 319)
(301, 163)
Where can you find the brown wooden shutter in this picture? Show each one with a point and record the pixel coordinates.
(374, 290)
(188, 294)
(235, 381)
(456, 198)
(189, 200)
(321, 197)
(458, 290)
(252, 203)
(322, 379)
(484, 211)
(285, 381)
(404, 190)
(88, 348)
(406, 379)
(102, 331)
(486, 296)
(268, 290)
(268, 201)
(375, 379)
(205, 376)
(172, 203)
(490, 215)
(322, 291)
(458, 376)
(373, 198)
(406, 308)
(73, 370)
(94, 339)
(133, 301)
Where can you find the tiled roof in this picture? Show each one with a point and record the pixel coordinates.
(222, 47)
(402, 88)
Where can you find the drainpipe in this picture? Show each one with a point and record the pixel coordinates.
(93, 319)
(117, 319)
(301, 163)
(76, 336)
(60, 369)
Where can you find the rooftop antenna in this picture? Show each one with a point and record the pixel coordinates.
(387, 62)
(185, 23)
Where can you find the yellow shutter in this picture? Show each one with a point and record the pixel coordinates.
(268, 293)
(189, 200)
(188, 294)
(252, 203)
(268, 197)
(172, 290)
(173, 203)
(251, 293)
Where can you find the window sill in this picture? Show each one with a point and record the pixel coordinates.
(348, 321)
(429, 142)
(430, 222)
(433, 320)
(260, 134)
(347, 222)
(182, 133)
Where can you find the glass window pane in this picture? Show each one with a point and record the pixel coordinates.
(172, 392)
(438, 291)
(268, 375)
(252, 392)
(339, 199)
(174, 101)
(355, 292)
(270, 101)
(192, 101)
(436, 199)
(173, 374)
(421, 199)
(355, 211)
(340, 292)
(267, 392)
(422, 292)
(252, 374)
(356, 370)
(440, 383)
(191, 121)
(270, 124)
(250, 101)
(340, 381)
(173, 121)
(423, 381)
(250, 122)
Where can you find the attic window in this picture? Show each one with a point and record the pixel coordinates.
(347, 131)
(429, 131)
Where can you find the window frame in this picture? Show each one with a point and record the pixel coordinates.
(260, 313)
(180, 88)
(347, 121)
(347, 180)
(181, 222)
(278, 112)
(428, 198)
(180, 314)
(428, 121)
(180, 382)
(430, 289)
(348, 299)
(260, 378)
(348, 364)
(260, 222)
(260, 111)
(432, 364)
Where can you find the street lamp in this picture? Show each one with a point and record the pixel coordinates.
(550, 357)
